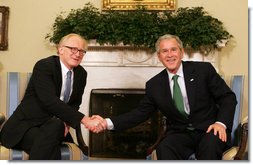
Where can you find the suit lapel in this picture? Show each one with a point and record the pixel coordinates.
(190, 83)
(165, 90)
(58, 75)
(76, 83)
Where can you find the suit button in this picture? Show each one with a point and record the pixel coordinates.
(190, 128)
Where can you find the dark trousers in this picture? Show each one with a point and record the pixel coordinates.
(181, 145)
(43, 142)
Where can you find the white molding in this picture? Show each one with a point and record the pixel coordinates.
(107, 56)
(120, 57)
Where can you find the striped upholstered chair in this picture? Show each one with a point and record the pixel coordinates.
(239, 134)
(16, 83)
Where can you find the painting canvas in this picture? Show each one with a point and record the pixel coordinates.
(4, 15)
(1, 18)
(133, 4)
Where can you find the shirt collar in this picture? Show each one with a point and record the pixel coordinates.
(179, 72)
(64, 69)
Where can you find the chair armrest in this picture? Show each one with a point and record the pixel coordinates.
(160, 136)
(81, 143)
(243, 143)
(2, 119)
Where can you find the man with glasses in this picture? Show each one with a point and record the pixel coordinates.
(51, 102)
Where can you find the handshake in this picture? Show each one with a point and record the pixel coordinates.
(95, 123)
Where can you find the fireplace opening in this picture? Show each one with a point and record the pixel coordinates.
(131, 143)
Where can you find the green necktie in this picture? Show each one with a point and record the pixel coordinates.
(177, 97)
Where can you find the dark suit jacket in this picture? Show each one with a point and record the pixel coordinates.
(210, 100)
(42, 101)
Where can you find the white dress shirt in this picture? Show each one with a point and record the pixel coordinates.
(64, 71)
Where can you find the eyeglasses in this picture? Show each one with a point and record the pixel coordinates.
(74, 50)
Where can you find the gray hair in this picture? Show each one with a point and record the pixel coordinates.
(168, 37)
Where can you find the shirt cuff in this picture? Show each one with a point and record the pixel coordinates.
(110, 125)
(221, 124)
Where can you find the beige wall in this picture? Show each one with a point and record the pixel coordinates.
(31, 20)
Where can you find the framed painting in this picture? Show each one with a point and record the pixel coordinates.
(4, 16)
(133, 4)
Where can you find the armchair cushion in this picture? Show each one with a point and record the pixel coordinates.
(69, 151)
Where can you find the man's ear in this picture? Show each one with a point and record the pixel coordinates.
(60, 50)
(159, 56)
(182, 53)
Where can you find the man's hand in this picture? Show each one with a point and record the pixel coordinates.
(66, 129)
(220, 129)
(95, 123)
(102, 123)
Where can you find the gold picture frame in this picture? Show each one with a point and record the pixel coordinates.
(4, 16)
(132, 4)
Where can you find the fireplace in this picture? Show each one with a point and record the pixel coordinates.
(128, 144)
(113, 70)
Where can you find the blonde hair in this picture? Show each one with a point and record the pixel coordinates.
(68, 36)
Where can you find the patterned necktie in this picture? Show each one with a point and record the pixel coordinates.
(177, 97)
(67, 87)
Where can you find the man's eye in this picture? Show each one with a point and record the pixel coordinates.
(165, 51)
(174, 49)
(75, 49)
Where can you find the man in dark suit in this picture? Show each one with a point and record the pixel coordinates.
(204, 125)
(41, 121)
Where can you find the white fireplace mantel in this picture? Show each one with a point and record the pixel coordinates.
(119, 56)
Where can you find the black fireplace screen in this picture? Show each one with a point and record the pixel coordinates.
(131, 143)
